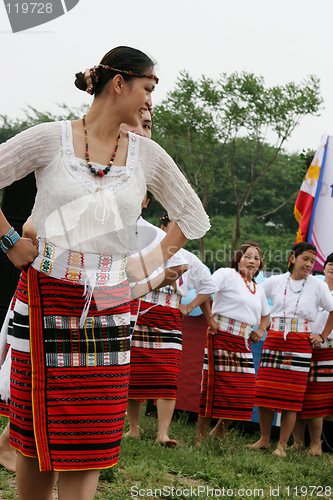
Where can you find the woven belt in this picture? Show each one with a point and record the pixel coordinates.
(159, 298)
(287, 325)
(80, 268)
(233, 326)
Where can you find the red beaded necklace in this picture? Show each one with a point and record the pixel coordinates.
(102, 171)
(248, 286)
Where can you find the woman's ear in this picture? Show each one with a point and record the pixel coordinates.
(118, 84)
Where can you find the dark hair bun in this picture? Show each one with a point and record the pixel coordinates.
(80, 82)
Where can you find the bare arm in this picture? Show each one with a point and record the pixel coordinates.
(207, 312)
(256, 335)
(201, 298)
(139, 268)
(23, 252)
(318, 339)
(29, 231)
(167, 277)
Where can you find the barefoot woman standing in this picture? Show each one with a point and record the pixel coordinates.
(287, 351)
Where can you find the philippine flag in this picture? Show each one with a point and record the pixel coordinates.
(307, 198)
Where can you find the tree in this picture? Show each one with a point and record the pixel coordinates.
(203, 123)
(10, 127)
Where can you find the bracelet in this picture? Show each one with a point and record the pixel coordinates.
(188, 312)
(322, 339)
(8, 240)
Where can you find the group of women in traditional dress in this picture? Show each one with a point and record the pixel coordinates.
(70, 330)
(284, 380)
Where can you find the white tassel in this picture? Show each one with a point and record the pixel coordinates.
(247, 342)
(88, 293)
(5, 376)
(3, 334)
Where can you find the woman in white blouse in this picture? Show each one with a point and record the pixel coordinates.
(239, 304)
(68, 414)
(287, 350)
(318, 398)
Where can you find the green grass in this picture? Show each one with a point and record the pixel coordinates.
(152, 471)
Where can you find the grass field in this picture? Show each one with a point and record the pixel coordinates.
(215, 470)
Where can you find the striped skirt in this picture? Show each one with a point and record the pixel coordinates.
(69, 396)
(318, 398)
(228, 382)
(283, 371)
(156, 348)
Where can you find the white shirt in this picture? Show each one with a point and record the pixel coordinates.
(79, 211)
(233, 299)
(148, 237)
(197, 276)
(315, 294)
(320, 322)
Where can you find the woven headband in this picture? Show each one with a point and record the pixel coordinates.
(248, 245)
(89, 72)
(298, 252)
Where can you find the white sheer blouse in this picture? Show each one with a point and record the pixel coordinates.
(79, 211)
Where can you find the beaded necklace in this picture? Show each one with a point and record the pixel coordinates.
(102, 171)
(284, 299)
(248, 286)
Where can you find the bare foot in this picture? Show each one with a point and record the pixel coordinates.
(280, 450)
(168, 443)
(262, 444)
(297, 446)
(315, 450)
(131, 434)
(218, 431)
(7, 453)
(8, 459)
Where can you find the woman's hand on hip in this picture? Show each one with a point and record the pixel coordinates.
(22, 253)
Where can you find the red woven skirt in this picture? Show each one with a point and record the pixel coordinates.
(283, 371)
(318, 398)
(156, 346)
(69, 396)
(228, 383)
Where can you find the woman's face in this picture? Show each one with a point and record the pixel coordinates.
(249, 263)
(144, 127)
(303, 265)
(328, 271)
(137, 99)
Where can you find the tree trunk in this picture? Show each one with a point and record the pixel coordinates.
(201, 242)
(235, 234)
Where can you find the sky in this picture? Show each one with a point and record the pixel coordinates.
(281, 41)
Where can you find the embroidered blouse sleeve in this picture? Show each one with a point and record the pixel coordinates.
(172, 190)
(27, 151)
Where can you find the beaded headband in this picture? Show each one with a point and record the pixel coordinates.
(248, 245)
(129, 73)
(89, 72)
